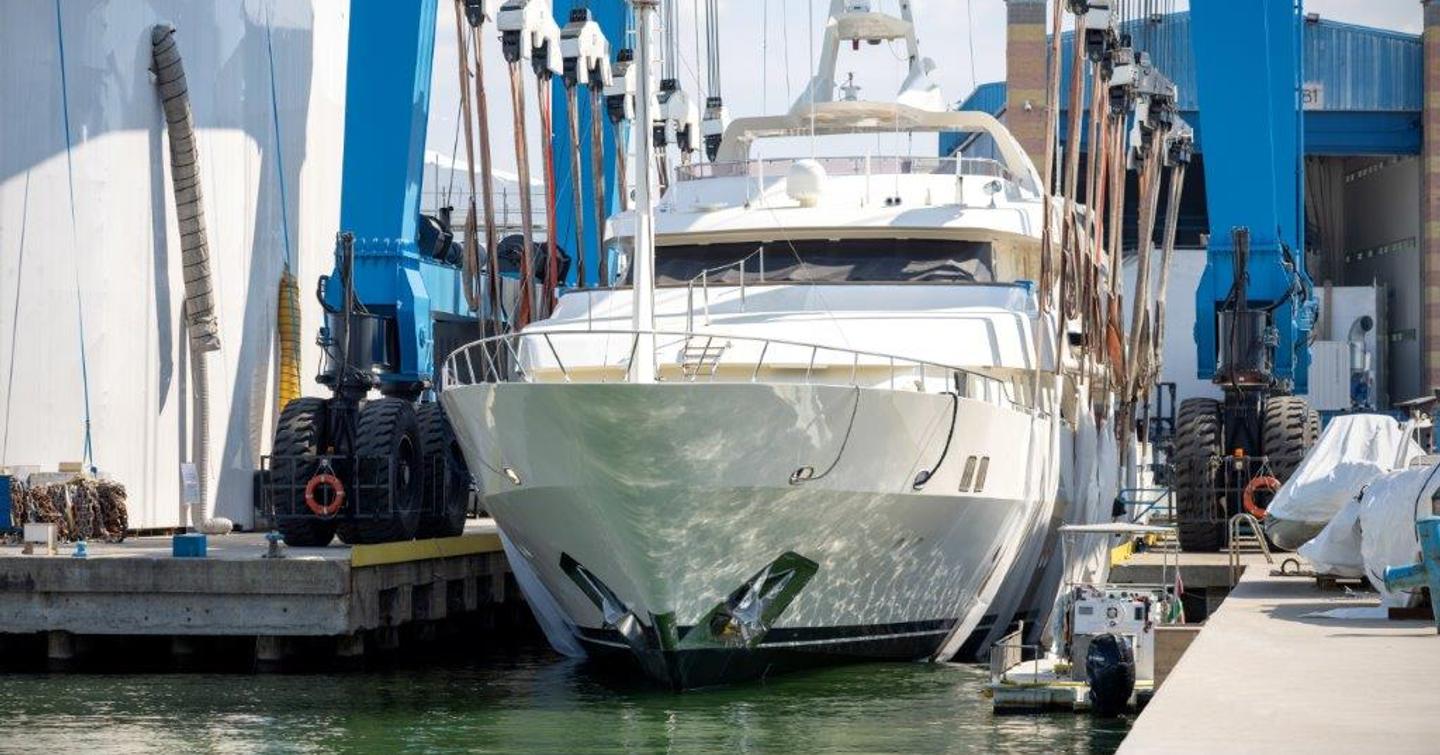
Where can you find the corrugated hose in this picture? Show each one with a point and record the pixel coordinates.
(200, 320)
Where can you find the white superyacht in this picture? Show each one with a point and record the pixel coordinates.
(820, 420)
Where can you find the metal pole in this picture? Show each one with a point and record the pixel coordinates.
(643, 264)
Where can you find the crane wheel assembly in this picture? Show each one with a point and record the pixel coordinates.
(294, 462)
(389, 469)
(1199, 516)
(402, 479)
(1219, 469)
(446, 482)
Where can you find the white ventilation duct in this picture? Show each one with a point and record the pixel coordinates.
(200, 319)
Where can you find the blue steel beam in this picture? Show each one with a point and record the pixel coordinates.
(1342, 133)
(387, 107)
(612, 16)
(1248, 84)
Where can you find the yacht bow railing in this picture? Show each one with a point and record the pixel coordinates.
(607, 356)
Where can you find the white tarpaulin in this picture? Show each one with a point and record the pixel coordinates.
(1387, 523)
(1377, 530)
(1352, 451)
(1336, 550)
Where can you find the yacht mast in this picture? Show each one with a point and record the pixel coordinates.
(642, 367)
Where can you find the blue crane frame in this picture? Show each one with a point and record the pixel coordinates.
(1248, 81)
(613, 16)
(391, 57)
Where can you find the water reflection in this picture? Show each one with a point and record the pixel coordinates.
(529, 700)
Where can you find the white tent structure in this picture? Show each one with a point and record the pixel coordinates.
(92, 345)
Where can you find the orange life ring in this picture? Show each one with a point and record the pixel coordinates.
(325, 478)
(1266, 482)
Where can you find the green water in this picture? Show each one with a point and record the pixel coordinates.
(527, 700)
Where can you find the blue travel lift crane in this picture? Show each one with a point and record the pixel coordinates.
(386, 469)
(1255, 306)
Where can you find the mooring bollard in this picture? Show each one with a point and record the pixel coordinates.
(1424, 573)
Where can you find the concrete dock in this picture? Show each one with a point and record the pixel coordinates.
(340, 600)
(1267, 675)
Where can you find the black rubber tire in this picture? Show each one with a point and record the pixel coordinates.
(386, 431)
(298, 433)
(1200, 524)
(452, 489)
(1290, 428)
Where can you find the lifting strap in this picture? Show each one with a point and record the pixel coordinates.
(522, 169)
(1167, 251)
(470, 278)
(572, 109)
(597, 177)
(547, 140)
(487, 176)
(1049, 184)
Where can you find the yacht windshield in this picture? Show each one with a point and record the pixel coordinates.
(823, 261)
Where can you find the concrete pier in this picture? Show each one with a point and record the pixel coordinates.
(347, 599)
(1268, 675)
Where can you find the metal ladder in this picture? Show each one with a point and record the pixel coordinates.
(1242, 542)
(701, 354)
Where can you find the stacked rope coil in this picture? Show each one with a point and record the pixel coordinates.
(83, 508)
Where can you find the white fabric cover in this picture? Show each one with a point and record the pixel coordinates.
(1352, 451)
(1376, 530)
(1336, 550)
(1387, 521)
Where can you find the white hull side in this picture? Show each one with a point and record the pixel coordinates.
(674, 494)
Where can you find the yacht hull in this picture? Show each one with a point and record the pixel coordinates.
(722, 532)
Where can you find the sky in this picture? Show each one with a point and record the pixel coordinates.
(767, 55)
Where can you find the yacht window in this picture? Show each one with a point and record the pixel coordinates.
(821, 261)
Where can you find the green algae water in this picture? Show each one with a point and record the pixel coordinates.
(526, 699)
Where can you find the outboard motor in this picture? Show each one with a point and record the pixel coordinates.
(1110, 672)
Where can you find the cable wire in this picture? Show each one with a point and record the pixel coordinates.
(89, 450)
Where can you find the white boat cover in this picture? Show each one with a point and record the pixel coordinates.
(1352, 451)
(1376, 530)
(1387, 524)
(1336, 550)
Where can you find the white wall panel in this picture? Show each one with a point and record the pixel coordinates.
(119, 241)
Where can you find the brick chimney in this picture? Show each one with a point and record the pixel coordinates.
(1025, 90)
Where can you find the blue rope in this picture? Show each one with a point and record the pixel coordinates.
(279, 153)
(70, 176)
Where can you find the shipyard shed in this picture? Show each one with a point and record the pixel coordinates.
(93, 358)
(1363, 99)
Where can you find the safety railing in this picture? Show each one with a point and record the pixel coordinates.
(505, 201)
(1008, 655)
(1240, 542)
(605, 356)
(703, 278)
(850, 166)
(1143, 504)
